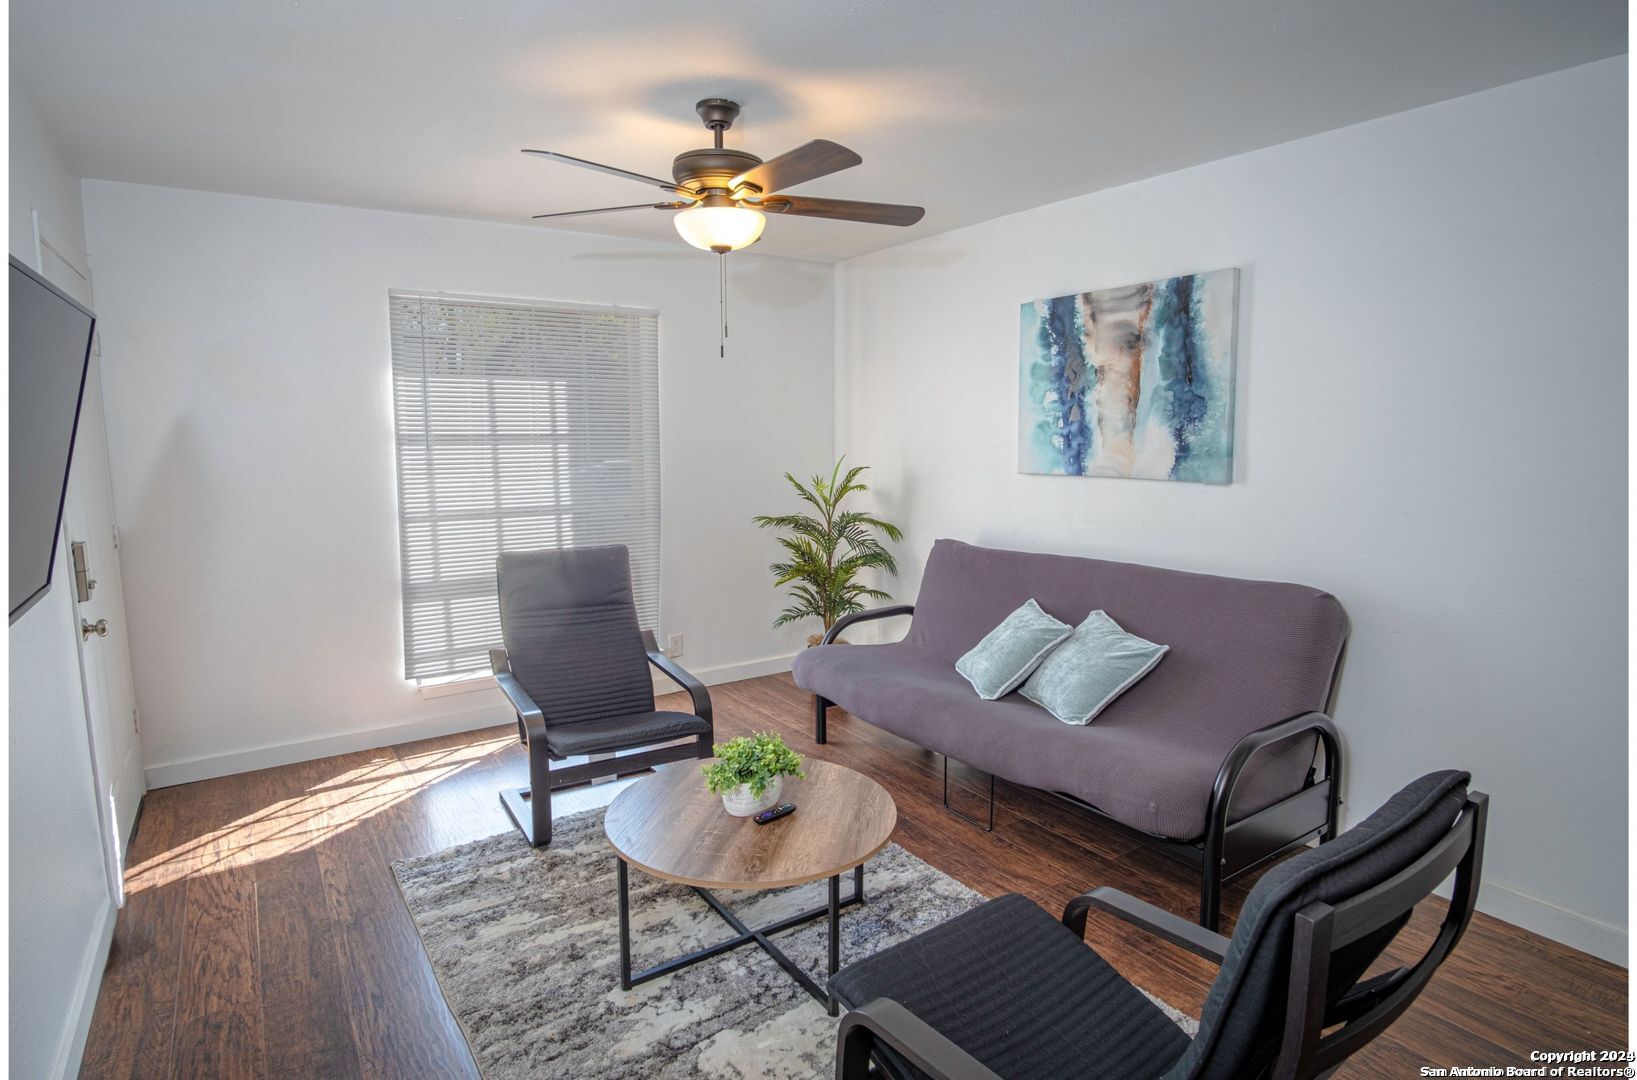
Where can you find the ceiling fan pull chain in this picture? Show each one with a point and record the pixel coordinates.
(722, 301)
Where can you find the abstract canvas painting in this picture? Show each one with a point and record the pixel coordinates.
(1135, 381)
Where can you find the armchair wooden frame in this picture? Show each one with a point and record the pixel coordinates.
(530, 807)
(1322, 1025)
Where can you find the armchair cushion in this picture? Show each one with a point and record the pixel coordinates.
(1017, 990)
(623, 732)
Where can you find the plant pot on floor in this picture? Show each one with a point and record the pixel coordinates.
(741, 803)
(814, 640)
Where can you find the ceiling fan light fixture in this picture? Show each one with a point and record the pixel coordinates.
(720, 228)
(722, 192)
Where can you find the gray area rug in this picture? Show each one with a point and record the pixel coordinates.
(525, 944)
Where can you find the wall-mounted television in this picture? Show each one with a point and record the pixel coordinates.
(50, 353)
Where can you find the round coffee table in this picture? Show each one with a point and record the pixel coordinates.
(668, 825)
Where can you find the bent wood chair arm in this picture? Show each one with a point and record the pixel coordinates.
(869, 615)
(1139, 913)
(885, 1020)
(531, 721)
(1312, 1045)
(681, 676)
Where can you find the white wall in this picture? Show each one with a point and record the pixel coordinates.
(1431, 424)
(245, 346)
(61, 911)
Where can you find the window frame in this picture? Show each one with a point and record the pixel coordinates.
(642, 370)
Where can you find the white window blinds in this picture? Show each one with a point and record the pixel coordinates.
(520, 427)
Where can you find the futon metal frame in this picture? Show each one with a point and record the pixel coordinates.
(1226, 849)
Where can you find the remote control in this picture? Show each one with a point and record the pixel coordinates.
(773, 813)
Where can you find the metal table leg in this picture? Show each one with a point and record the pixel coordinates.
(761, 936)
(625, 927)
(835, 937)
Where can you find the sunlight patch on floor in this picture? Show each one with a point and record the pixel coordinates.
(333, 805)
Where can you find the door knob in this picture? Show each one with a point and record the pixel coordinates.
(99, 628)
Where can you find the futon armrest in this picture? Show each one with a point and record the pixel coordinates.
(527, 710)
(870, 615)
(1234, 765)
(681, 676)
(1157, 921)
(885, 1020)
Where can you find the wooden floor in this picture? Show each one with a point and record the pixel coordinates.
(265, 936)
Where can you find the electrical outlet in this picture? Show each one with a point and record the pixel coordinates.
(673, 645)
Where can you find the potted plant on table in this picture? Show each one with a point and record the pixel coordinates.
(829, 551)
(749, 772)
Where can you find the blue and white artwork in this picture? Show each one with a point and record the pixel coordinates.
(1135, 381)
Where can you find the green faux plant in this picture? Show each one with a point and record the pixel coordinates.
(756, 759)
(829, 551)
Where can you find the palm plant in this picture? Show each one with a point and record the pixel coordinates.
(827, 553)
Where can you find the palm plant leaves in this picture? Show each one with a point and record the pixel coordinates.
(826, 553)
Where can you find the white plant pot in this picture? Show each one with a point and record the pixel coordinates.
(741, 803)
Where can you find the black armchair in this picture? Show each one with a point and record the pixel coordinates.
(1005, 990)
(575, 667)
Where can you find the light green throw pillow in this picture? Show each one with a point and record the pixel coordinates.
(1097, 664)
(1011, 650)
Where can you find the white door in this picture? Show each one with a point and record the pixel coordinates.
(88, 525)
(105, 653)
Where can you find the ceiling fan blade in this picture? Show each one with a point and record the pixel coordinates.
(873, 213)
(609, 169)
(612, 209)
(821, 157)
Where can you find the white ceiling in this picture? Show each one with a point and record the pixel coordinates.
(970, 109)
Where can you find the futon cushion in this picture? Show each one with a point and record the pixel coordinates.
(1017, 990)
(1151, 768)
(1244, 654)
(1097, 664)
(1008, 653)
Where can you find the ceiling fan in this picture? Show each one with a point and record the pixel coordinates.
(723, 194)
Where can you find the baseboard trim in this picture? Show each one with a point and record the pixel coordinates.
(487, 715)
(748, 669)
(1602, 940)
(288, 753)
(71, 1051)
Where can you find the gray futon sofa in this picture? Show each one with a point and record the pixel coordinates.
(1214, 753)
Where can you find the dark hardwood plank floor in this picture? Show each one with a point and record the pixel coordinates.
(265, 936)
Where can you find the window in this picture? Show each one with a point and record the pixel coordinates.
(520, 426)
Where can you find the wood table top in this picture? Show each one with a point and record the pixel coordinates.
(672, 827)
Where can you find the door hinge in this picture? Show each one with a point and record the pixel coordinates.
(116, 537)
(136, 719)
